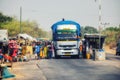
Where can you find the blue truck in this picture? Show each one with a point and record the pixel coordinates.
(66, 38)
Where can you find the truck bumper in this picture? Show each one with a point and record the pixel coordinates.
(67, 52)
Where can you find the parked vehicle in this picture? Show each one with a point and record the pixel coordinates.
(118, 48)
(66, 37)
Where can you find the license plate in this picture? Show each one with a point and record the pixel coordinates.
(67, 53)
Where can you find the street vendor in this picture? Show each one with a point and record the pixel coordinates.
(50, 50)
(37, 49)
(80, 49)
(1, 57)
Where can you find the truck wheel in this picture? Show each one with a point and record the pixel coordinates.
(56, 56)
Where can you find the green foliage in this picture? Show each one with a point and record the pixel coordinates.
(88, 29)
(112, 35)
(13, 27)
(4, 18)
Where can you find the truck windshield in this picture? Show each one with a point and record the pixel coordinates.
(66, 35)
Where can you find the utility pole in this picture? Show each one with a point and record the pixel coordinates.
(99, 24)
(20, 19)
(104, 24)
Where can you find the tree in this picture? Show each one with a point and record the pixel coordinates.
(29, 27)
(4, 19)
(112, 35)
(88, 29)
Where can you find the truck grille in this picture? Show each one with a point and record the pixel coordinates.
(67, 45)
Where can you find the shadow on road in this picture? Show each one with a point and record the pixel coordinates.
(109, 76)
(112, 57)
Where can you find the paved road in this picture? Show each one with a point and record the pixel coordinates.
(80, 69)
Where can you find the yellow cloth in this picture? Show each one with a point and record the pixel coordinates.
(29, 49)
(23, 50)
(45, 51)
(41, 53)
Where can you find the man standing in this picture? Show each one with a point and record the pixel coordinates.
(37, 50)
(81, 48)
(49, 50)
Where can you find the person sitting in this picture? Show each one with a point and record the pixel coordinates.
(1, 57)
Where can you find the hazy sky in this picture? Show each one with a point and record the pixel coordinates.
(47, 12)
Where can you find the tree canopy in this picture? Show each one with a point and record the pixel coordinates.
(88, 29)
(13, 27)
(112, 35)
(4, 18)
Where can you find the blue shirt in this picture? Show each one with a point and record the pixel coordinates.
(37, 49)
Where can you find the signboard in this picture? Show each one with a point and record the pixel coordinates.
(66, 27)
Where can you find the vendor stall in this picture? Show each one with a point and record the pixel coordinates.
(94, 43)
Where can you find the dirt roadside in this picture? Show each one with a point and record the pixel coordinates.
(26, 71)
(109, 51)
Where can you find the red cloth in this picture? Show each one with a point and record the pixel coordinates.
(14, 52)
(7, 57)
(12, 44)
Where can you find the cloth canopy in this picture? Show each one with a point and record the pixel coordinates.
(26, 36)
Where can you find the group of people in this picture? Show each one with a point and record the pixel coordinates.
(8, 50)
(15, 51)
(84, 50)
(43, 50)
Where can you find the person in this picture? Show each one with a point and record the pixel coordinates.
(41, 52)
(45, 51)
(84, 49)
(8, 58)
(37, 50)
(15, 50)
(49, 50)
(5, 48)
(11, 47)
(19, 49)
(25, 58)
(81, 48)
(53, 54)
(1, 57)
(33, 46)
(91, 51)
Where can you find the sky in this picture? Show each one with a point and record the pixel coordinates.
(48, 12)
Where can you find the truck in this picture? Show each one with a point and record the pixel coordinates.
(66, 38)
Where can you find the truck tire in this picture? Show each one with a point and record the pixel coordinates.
(56, 56)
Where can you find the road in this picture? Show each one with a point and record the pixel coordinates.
(80, 69)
